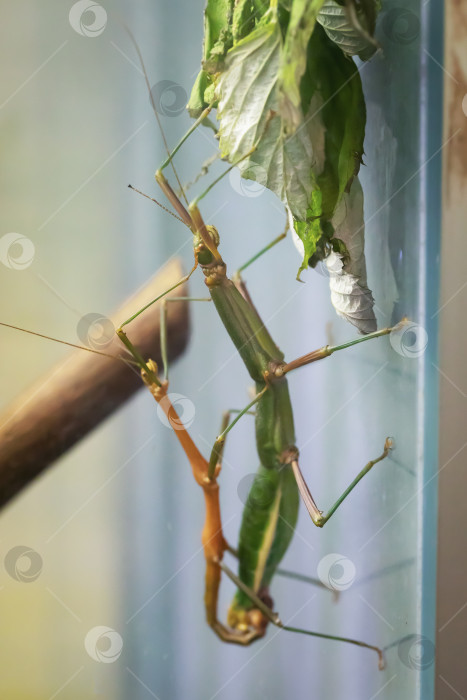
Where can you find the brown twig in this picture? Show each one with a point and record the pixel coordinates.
(72, 399)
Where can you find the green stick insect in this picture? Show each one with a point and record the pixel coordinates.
(271, 509)
(290, 38)
(272, 506)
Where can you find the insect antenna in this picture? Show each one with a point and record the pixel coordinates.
(156, 114)
(126, 360)
(135, 189)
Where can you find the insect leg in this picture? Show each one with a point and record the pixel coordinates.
(184, 279)
(191, 218)
(197, 199)
(316, 515)
(220, 439)
(204, 114)
(296, 576)
(163, 327)
(236, 276)
(140, 361)
(328, 350)
(275, 619)
(287, 573)
(220, 451)
(149, 368)
(214, 544)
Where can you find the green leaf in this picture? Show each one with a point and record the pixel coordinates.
(217, 27)
(197, 101)
(217, 40)
(244, 18)
(310, 230)
(249, 118)
(344, 258)
(332, 82)
(344, 117)
(293, 60)
(350, 294)
(349, 38)
(311, 165)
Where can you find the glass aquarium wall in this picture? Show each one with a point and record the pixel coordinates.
(117, 522)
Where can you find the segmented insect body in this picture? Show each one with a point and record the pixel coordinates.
(271, 509)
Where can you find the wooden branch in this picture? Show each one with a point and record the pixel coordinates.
(72, 399)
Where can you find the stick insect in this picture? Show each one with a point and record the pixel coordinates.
(271, 509)
(263, 538)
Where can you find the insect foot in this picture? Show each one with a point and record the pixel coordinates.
(244, 621)
(289, 455)
(275, 371)
(319, 520)
(157, 389)
(390, 444)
